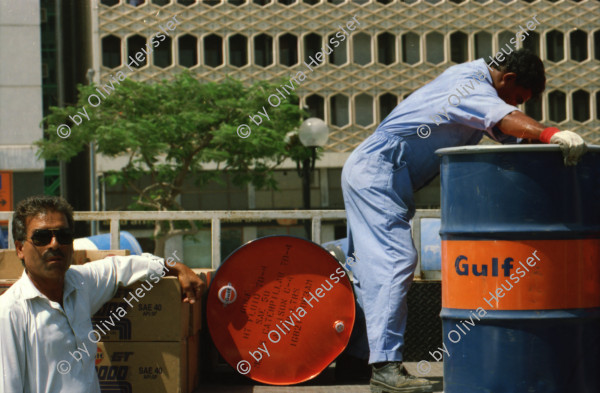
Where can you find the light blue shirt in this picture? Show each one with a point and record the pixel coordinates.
(37, 333)
(458, 106)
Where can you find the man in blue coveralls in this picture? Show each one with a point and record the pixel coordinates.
(378, 180)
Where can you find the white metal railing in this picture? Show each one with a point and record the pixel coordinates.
(217, 216)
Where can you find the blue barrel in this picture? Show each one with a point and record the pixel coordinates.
(520, 270)
(102, 242)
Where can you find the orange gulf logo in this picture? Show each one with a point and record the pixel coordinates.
(521, 275)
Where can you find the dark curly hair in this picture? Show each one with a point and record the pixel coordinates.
(529, 69)
(39, 204)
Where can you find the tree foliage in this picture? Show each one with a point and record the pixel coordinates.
(170, 130)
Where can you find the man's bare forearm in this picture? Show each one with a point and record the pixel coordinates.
(520, 125)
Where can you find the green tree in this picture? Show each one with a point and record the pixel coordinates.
(169, 130)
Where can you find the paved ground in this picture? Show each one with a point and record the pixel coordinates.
(324, 383)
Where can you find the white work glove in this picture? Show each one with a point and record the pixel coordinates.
(571, 144)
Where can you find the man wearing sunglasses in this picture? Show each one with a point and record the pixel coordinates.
(46, 315)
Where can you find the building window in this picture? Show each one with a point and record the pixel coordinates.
(134, 46)
(411, 51)
(362, 48)
(288, 50)
(434, 48)
(213, 50)
(238, 50)
(312, 45)
(363, 110)
(188, 51)
(581, 106)
(554, 46)
(263, 50)
(339, 56)
(459, 48)
(316, 106)
(386, 48)
(557, 106)
(483, 45)
(579, 49)
(163, 55)
(387, 103)
(339, 110)
(111, 51)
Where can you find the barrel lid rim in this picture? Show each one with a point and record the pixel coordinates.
(506, 148)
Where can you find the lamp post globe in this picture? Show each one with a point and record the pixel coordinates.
(313, 132)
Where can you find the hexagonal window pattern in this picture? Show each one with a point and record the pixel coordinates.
(188, 50)
(555, 50)
(109, 3)
(263, 50)
(459, 48)
(339, 110)
(211, 3)
(316, 106)
(581, 105)
(237, 2)
(384, 1)
(387, 103)
(137, 57)
(288, 50)
(363, 110)
(311, 2)
(161, 2)
(533, 108)
(261, 2)
(362, 48)
(135, 3)
(163, 54)
(336, 2)
(483, 45)
(186, 2)
(532, 43)
(434, 43)
(411, 48)
(360, 1)
(557, 106)
(386, 48)
(579, 47)
(313, 52)
(111, 51)
(339, 56)
(213, 50)
(286, 2)
(238, 50)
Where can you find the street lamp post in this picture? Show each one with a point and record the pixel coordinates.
(313, 133)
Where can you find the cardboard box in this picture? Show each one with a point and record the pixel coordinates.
(158, 314)
(198, 308)
(84, 256)
(142, 367)
(11, 266)
(193, 363)
(5, 284)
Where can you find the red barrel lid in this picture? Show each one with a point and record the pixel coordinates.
(280, 309)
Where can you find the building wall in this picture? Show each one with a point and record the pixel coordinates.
(20, 86)
(396, 48)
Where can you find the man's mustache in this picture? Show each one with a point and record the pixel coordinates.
(52, 253)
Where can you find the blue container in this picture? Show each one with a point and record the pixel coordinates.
(520, 270)
(102, 242)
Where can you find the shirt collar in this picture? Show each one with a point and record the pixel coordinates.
(29, 290)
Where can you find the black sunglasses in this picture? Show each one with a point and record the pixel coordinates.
(42, 237)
